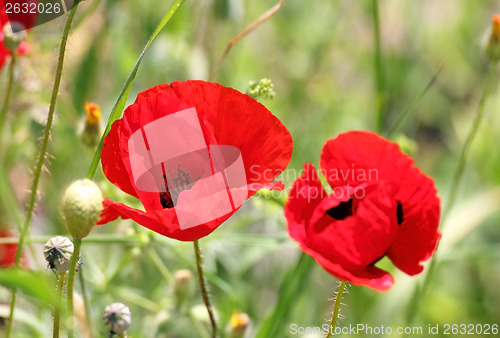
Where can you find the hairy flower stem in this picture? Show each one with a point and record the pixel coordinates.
(71, 282)
(10, 84)
(420, 292)
(203, 288)
(379, 72)
(336, 307)
(41, 156)
(57, 310)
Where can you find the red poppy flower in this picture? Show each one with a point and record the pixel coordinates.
(192, 152)
(7, 251)
(381, 205)
(26, 20)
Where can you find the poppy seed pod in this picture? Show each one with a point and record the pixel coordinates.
(117, 318)
(58, 252)
(80, 207)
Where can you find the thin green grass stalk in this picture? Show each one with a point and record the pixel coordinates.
(86, 302)
(291, 288)
(404, 115)
(379, 72)
(71, 282)
(336, 307)
(10, 84)
(203, 288)
(421, 292)
(122, 99)
(41, 156)
(57, 312)
(153, 255)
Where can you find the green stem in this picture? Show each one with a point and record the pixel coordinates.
(464, 155)
(336, 307)
(153, 255)
(41, 156)
(57, 311)
(85, 297)
(203, 288)
(420, 292)
(122, 99)
(10, 84)
(379, 72)
(391, 133)
(71, 282)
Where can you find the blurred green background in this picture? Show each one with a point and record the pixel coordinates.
(320, 56)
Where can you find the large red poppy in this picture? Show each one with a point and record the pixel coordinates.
(233, 121)
(380, 205)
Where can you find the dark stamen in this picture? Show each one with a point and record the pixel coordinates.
(341, 211)
(399, 213)
(166, 200)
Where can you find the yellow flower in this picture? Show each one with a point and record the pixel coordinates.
(92, 129)
(493, 46)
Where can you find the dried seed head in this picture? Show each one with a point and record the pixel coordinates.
(58, 252)
(81, 207)
(117, 318)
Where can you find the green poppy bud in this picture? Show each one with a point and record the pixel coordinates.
(239, 325)
(12, 40)
(184, 285)
(493, 45)
(81, 207)
(264, 89)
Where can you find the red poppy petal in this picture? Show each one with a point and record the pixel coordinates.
(418, 235)
(372, 276)
(358, 157)
(23, 49)
(4, 54)
(163, 222)
(113, 164)
(306, 193)
(357, 241)
(7, 251)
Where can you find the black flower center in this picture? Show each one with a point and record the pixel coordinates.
(341, 211)
(399, 213)
(166, 200)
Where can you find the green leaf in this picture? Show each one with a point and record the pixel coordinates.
(292, 286)
(33, 284)
(122, 99)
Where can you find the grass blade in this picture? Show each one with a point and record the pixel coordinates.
(122, 99)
